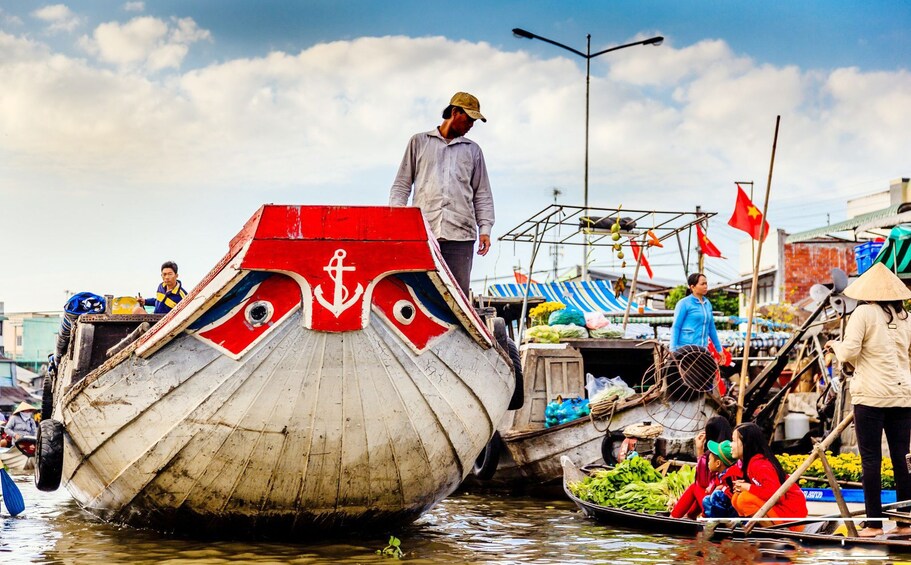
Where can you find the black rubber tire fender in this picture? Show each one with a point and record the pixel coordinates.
(49, 455)
(47, 399)
(518, 395)
(486, 464)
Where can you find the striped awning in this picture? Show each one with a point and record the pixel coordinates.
(594, 296)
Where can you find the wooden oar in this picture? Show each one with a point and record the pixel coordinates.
(12, 498)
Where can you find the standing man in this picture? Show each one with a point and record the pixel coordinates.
(451, 186)
(169, 292)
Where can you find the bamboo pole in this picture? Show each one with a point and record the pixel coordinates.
(795, 476)
(746, 344)
(836, 490)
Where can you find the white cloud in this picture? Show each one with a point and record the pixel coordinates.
(134, 7)
(59, 18)
(10, 19)
(670, 127)
(144, 41)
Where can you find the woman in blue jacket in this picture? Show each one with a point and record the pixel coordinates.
(693, 320)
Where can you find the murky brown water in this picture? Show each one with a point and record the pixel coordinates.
(466, 528)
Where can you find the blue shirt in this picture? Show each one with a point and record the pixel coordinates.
(165, 300)
(694, 324)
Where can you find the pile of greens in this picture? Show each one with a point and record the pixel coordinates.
(634, 485)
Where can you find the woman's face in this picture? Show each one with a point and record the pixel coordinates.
(701, 287)
(736, 446)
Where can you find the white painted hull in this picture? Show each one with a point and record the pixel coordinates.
(312, 428)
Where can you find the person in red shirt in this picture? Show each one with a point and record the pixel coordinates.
(762, 477)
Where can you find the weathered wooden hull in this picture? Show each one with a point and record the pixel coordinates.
(360, 426)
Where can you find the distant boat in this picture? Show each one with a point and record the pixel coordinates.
(327, 373)
(19, 458)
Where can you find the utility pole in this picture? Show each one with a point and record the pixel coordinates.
(701, 260)
(555, 248)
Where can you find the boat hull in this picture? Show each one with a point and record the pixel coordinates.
(683, 527)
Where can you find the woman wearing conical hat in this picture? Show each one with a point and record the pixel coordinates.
(876, 342)
(22, 422)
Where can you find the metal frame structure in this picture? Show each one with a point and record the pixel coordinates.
(544, 227)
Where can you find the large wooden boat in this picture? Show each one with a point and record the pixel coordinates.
(815, 533)
(327, 372)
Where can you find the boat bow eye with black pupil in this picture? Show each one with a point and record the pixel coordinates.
(259, 313)
(404, 311)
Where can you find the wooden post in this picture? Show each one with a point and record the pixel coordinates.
(632, 287)
(746, 344)
(795, 476)
(836, 490)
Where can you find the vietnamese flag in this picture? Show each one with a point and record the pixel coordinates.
(705, 245)
(747, 217)
(636, 252)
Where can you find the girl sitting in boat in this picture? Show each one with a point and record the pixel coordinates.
(762, 477)
(725, 470)
(717, 429)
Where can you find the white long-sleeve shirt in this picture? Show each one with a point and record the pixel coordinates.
(451, 186)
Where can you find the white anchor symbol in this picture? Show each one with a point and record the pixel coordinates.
(340, 301)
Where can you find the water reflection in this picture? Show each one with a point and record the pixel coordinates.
(466, 528)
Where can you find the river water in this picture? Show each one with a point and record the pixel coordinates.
(465, 528)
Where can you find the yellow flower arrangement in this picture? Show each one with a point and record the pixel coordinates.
(540, 313)
(845, 466)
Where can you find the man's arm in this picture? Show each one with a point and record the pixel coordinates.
(404, 179)
(483, 203)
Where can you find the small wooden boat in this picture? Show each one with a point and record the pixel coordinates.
(818, 535)
(19, 458)
(327, 373)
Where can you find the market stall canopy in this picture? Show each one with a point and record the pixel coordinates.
(896, 253)
(594, 296)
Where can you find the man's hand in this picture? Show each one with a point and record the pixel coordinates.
(483, 244)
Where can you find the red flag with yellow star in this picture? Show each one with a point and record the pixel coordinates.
(705, 244)
(747, 217)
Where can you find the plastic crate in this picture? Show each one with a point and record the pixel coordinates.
(865, 253)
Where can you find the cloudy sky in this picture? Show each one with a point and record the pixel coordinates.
(137, 132)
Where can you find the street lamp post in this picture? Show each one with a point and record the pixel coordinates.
(588, 56)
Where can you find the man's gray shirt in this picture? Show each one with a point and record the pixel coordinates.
(450, 186)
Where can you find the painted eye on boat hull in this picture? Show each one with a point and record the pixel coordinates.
(404, 311)
(259, 313)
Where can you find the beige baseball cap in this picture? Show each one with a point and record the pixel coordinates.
(468, 103)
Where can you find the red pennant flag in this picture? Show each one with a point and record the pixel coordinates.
(522, 279)
(708, 248)
(747, 217)
(636, 252)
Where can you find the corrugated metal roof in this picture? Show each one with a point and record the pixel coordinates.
(847, 225)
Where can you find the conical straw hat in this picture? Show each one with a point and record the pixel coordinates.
(23, 406)
(878, 284)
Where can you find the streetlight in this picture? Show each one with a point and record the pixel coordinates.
(588, 56)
